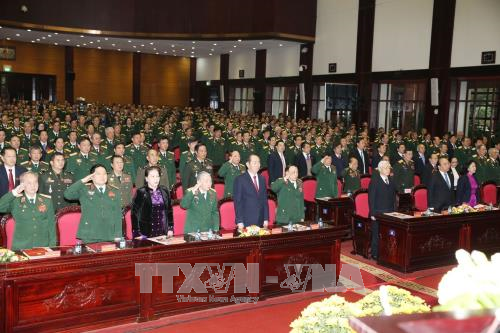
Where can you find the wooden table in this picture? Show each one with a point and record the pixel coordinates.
(410, 244)
(339, 210)
(81, 292)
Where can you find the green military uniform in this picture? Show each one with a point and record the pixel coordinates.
(71, 148)
(217, 150)
(40, 168)
(35, 222)
(167, 161)
(80, 166)
(246, 150)
(404, 173)
(192, 169)
(101, 218)
(291, 152)
(54, 185)
(290, 201)
(53, 135)
(493, 171)
(481, 168)
(186, 157)
(102, 153)
(28, 142)
(16, 131)
(318, 152)
(264, 152)
(137, 154)
(352, 181)
(124, 184)
(229, 172)
(128, 166)
(51, 152)
(326, 178)
(202, 213)
(464, 155)
(22, 156)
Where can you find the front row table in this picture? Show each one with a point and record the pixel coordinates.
(408, 243)
(80, 292)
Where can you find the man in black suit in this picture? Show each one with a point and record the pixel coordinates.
(9, 172)
(339, 161)
(420, 161)
(430, 169)
(304, 161)
(250, 196)
(398, 154)
(378, 153)
(276, 162)
(361, 155)
(382, 199)
(440, 192)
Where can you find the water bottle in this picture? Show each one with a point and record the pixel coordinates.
(349, 193)
(290, 226)
(449, 209)
(198, 235)
(122, 244)
(320, 223)
(78, 247)
(210, 234)
(490, 206)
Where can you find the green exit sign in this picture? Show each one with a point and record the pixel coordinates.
(7, 68)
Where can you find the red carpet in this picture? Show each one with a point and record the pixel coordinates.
(276, 314)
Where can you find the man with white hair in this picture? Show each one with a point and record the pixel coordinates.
(381, 199)
(493, 166)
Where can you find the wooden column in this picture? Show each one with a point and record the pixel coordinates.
(443, 20)
(305, 76)
(193, 94)
(69, 74)
(136, 78)
(259, 104)
(364, 50)
(224, 79)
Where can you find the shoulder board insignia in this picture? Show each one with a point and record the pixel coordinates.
(45, 195)
(113, 186)
(73, 154)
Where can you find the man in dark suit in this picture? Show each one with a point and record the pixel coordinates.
(398, 154)
(304, 161)
(276, 162)
(381, 199)
(429, 169)
(361, 155)
(250, 196)
(420, 161)
(440, 192)
(378, 153)
(339, 161)
(9, 172)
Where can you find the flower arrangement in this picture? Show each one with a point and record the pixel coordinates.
(7, 255)
(464, 208)
(254, 230)
(332, 314)
(472, 285)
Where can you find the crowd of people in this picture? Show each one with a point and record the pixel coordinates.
(57, 155)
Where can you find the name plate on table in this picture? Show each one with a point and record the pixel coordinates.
(168, 240)
(399, 215)
(41, 253)
(101, 247)
(407, 190)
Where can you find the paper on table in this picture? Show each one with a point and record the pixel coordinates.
(399, 215)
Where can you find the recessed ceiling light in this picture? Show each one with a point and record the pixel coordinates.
(260, 43)
(77, 45)
(154, 49)
(82, 36)
(192, 52)
(239, 40)
(138, 51)
(173, 45)
(230, 51)
(56, 33)
(183, 49)
(212, 50)
(18, 35)
(234, 45)
(68, 40)
(38, 39)
(119, 49)
(164, 51)
(113, 44)
(49, 36)
(129, 41)
(157, 53)
(8, 38)
(91, 42)
(84, 44)
(99, 47)
(32, 41)
(56, 44)
(28, 29)
(98, 40)
(134, 46)
(151, 43)
(194, 42)
(215, 44)
(43, 37)
(210, 54)
(142, 45)
(253, 48)
(192, 56)
(105, 38)
(192, 48)
(173, 50)
(281, 45)
(1, 27)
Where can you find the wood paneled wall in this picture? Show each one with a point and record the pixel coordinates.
(103, 76)
(38, 59)
(164, 80)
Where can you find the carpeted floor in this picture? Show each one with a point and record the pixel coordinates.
(276, 314)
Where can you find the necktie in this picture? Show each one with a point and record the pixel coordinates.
(101, 190)
(85, 156)
(447, 180)
(11, 180)
(202, 164)
(43, 146)
(329, 169)
(255, 183)
(32, 201)
(119, 178)
(386, 180)
(308, 157)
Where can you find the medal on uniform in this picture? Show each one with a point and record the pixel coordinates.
(50, 188)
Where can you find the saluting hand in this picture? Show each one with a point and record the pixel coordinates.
(194, 188)
(88, 178)
(17, 192)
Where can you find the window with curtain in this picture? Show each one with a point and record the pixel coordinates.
(241, 99)
(282, 99)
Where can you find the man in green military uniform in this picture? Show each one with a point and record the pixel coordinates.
(200, 201)
(58, 148)
(166, 160)
(464, 153)
(55, 181)
(481, 160)
(404, 172)
(352, 177)
(72, 144)
(101, 219)
(35, 164)
(187, 156)
(216, 147)
(247, 148)
(79, 164)
(122, 181)
(229, 171)
(493, 166)
(319, 149)
(28, 138)
(99, 147)
(128, 168)
(197, 165)
(136, 151)
(326, 178)
(290, 197)
(294, 150)
(21, 153)
(34, 214)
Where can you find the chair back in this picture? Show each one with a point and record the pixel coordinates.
(265, 173)
(177, 191)
(309, 187)
(177, 154)
(361, 205)
(365, 181)
(419, 198)
(227, 214)
(7, 228)
(68, 221)
(416, 180)
(489, 193)
(339, 188)
(179, 214)
(219, 189)
(127, 221)
(272, 211)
